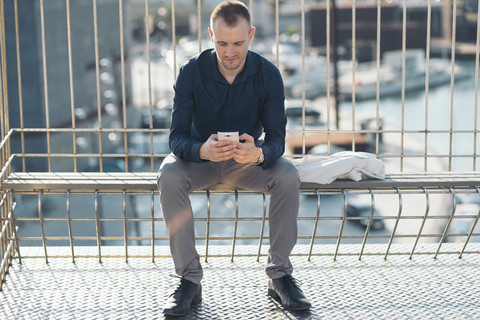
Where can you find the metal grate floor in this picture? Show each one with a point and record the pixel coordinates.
(398, 288)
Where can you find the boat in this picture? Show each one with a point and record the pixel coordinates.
(391, 73)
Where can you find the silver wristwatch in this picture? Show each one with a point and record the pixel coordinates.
(261, 159)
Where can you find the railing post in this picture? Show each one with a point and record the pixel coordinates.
(262, 228)
(312, 240)
(454, 208)
(11, 205)
(4, 111)
(400, 207)
(344, 218)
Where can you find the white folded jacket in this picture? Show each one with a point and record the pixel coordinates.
(341, 165)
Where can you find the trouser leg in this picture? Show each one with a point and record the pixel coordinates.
(175, 180)
(283, 183)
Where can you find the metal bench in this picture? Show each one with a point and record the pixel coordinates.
(146, 181)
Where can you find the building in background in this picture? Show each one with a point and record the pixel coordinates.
(34, 46)
(366, 27)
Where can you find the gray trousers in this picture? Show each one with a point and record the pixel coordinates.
(177, 178)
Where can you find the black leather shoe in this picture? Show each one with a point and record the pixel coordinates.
(181, 300)
(287, 291)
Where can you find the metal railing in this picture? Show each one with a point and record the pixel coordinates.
(412, 216)
(103, 137)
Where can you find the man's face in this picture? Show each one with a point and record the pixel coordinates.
(231, 43)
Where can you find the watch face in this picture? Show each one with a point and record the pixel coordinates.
(261, 158)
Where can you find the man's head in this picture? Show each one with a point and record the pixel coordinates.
(231, 32)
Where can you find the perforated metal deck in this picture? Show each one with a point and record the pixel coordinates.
(398, 288)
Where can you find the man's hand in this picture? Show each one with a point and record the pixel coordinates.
(215, 150)
(247, 152)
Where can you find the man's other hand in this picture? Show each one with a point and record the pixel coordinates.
(247, 152)
(215, 150)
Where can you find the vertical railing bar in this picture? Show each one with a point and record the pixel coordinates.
(312, 240)
(4, 265)
(474, 224)
(477, 53)
(97, 227)
(427, 78)
(328, 48)
(404, 45)
(340, 232)
(454, 207)
(4, 226)
(97, 77)
(152, 210)
(125, 235)
(370, 219)
(122, 70)
(70, 74)
(7, 247)
(207, 231)
(174, 41)
(149, 83)
(235, 225)
(3, 270)
(12, 249)
(4, 110)
(3, 273)
(70, 232)
(400, 208)
(4, 252)
(45, 84)
(12, 210)
(427, 210)
(452, 80)
(3, 243)
(5, 223)
(377, 134)
(277, 32)
(42, 229)
(9, 233)
(20, 87)
(262, 227)
(4, 229)
(4, 85)
(303, 75)
(354, 62)
(199, 24)
(5, 239)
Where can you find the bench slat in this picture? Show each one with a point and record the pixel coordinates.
(146, 181)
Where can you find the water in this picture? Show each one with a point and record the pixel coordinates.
(444, 109)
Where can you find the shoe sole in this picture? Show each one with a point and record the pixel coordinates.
(275, 296)
(195, 301)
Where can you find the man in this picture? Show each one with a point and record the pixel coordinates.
(229, 88)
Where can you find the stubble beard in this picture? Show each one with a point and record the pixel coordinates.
(232, 67)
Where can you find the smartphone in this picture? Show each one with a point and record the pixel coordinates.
(232, 136)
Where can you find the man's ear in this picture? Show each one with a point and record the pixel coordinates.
(252, 33)
(210, 31)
